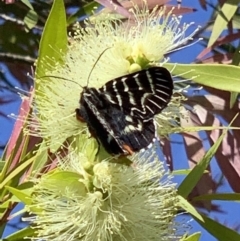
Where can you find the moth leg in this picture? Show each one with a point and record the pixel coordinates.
(127, 149)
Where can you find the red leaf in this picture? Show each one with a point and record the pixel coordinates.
(150, 5)
(23, 113)
(212, 107)
(222, 40)
(203, 4)
(115, 6)
(219, 58)
(195, 152)
(166, 147)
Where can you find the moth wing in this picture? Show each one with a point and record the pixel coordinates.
(142, 94)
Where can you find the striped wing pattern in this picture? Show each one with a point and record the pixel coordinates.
(142, 94)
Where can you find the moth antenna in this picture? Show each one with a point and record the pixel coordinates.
(62, 78)
(99, 57)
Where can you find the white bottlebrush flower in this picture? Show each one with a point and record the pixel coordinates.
(98, 53)
(104, 201)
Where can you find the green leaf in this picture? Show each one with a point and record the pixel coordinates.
(193, 177)
(20, 235)
(58, 180)
(236, 22)
(53, 43)
(181, 172)
(192, 237)
(183, 203)
(2, 163)
(40, 160)
(22, 195)
(27, 3)
(236, 56)
(184, 172)
(21, 167)
(26, 186)
(227, 12)
(219, 196)
(233, 98)
(5, 205)
(219, 76)
(83, 11)
(219, 231)
(30, 19)
(235, 61)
